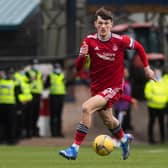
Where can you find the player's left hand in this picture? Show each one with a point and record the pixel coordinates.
(150, 74)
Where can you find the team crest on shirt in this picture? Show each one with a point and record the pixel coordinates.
(115, 47)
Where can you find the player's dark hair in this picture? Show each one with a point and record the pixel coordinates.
(104, 14)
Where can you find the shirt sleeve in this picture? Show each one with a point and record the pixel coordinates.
(80, 61)
(141, 52)
(130, 43)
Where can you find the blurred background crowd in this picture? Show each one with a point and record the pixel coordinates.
(39, 43)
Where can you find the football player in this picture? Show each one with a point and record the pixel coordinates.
(106, 51)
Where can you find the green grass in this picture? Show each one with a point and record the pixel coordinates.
(142, 156)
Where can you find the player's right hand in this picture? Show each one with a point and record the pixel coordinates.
(84, 49)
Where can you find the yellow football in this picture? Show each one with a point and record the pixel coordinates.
(103, 145)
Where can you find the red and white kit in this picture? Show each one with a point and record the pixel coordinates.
(106, 63)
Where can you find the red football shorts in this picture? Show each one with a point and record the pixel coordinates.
(111, 95)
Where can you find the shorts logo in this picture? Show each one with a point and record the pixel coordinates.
(109, 93)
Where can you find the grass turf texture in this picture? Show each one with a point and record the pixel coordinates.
(142, 156)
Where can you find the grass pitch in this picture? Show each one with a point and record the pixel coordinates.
(142, 156)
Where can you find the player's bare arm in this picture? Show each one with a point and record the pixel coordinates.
(149, 73)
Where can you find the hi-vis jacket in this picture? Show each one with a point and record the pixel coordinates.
(7, 91)
(156, 94)
(25, 94)
(37, 82)
(57, 84)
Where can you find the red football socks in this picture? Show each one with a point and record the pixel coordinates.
(80, 134)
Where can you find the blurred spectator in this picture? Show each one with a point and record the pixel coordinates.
(165, 78)
(24, 106)
(122, 107)
(156, 94)
(36, 82)
(56, 84)
(7, 108)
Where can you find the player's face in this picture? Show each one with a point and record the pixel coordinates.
(103, 27)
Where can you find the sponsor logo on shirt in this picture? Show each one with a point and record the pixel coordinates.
(107, 56)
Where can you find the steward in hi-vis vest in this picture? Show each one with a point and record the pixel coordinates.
(156, 94)
(36, 82)
(24, 107)
(8, 97)
(56, 84)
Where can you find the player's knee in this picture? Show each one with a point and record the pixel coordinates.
(85, 109)
(108, 123)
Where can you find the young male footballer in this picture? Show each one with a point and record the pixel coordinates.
(106, 51)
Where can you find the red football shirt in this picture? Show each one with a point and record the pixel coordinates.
(107, 60)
